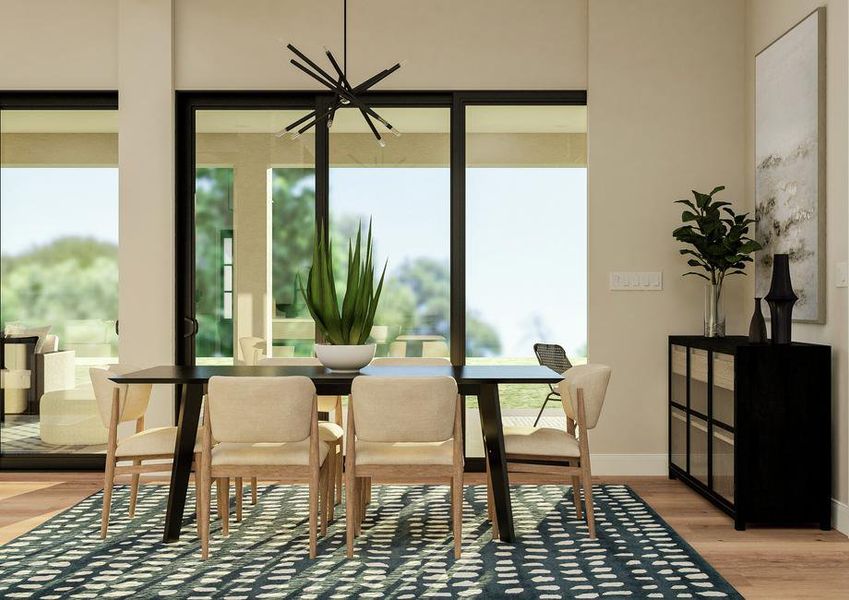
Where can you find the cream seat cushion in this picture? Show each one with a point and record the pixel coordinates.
(266, 453)
(157, 440)
(545, 441)
(329, 432)
(405, 453)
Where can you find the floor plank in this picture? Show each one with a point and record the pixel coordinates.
(762, 563)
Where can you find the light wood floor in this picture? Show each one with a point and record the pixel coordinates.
(760, 562)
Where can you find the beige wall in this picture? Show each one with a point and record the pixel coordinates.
(765, 21)
(58, 44)
(665, 112)
(448, 44)
(146, 191)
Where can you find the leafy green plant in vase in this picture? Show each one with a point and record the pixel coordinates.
(345, 328)
(719, 246)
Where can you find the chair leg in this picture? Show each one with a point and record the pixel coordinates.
(204, 493)
(457, 510)
(108, 482)
(576, 496)
(330, 465)
(253, 490)
(324, 491)
(239, 494)
(313, 502)
(225, 505)
(340, 460)
(134, 489)
(367, 492)
(547, 398)
(351, 509)
(588, 501)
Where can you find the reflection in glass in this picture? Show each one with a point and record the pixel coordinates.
(58, 275)
(404, 190)
(254, 223)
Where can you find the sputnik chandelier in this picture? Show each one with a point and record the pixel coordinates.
(344, 94)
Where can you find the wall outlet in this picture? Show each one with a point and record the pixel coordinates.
(637, 281)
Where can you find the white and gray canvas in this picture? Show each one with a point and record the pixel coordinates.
(787, 164)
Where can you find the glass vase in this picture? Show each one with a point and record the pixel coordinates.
(714, 310)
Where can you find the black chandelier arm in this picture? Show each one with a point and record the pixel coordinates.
(306, 59)
(291, 126)
(343, 81)
(331, 86)
(320, 118)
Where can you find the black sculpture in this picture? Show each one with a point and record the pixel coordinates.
(781, 299)
(757, 326)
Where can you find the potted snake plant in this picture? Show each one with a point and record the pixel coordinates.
(346, 325)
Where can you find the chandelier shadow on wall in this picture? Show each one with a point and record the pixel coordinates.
(344, 94)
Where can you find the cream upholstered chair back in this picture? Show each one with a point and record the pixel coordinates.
(593, 380)
(252, 349)
(411, 361)
(436, 348)
(404, 409)
(290, 361)
(132, 399)
(260, 409)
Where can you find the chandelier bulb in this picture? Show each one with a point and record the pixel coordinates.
(395, 132)
(381, 143)
(295, 135)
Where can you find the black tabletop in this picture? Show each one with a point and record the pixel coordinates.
(474, 374)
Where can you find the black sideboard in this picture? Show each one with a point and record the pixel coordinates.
(750, 427)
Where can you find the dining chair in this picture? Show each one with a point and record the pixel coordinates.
(122, 404)
(405, 430)
(398, 349)
(411, 361)
(263, 427)
(253, 349)
(330, 433)
(434, 349)
(554, 357)
(561, 452)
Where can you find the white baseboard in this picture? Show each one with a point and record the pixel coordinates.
(630, 464)
(840, 516)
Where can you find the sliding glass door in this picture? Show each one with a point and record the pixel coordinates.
(478, 211)
(58, 274)
(254, 218)
(403, 190)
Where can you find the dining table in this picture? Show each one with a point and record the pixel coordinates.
(481, 381)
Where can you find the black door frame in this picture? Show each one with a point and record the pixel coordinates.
(55, 100)
(188, 103)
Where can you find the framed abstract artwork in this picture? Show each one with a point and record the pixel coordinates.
(790, 162)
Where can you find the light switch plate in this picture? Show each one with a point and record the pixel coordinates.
(841, 275)
(637, 281)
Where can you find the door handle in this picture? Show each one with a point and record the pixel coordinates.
(192, 326)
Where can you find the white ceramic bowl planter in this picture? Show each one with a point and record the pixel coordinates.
(345, 357)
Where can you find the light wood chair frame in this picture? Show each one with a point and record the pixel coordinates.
(358, 480)
(316, 475)
(135, 470)
(542, 467)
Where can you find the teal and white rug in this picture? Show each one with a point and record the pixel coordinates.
(405, 551)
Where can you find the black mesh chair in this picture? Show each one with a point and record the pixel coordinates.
(554, 357)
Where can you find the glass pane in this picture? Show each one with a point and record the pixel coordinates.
(254, 223)
(58, 275)
(526, 242)
(404, 190)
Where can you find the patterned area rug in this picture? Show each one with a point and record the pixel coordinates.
(405, 551)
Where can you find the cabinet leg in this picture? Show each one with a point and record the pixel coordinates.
(739, 524)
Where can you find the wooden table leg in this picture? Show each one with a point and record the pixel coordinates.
(187, 426)
(493, 439)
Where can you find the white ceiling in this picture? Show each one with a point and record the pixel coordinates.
(479, 119)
